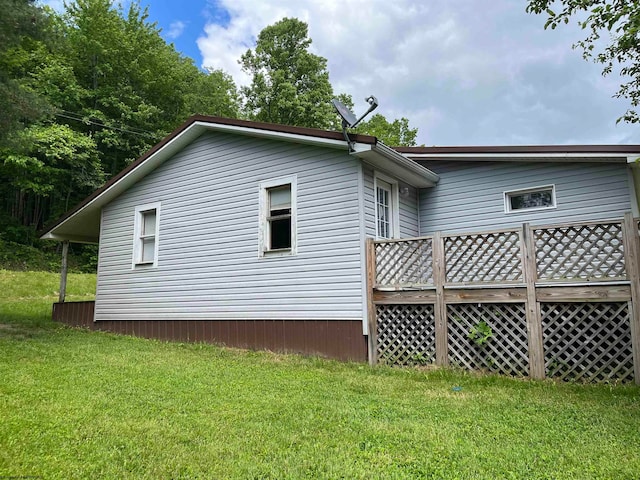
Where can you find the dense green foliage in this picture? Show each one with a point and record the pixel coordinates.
(78, 404)
(82, 95)
(23, 27)
(289, 85)
(85, 92)
(619, 20)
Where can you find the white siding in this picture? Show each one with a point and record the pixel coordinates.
(408, 207)
(470, 195)
(208, 264)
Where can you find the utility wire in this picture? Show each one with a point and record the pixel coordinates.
(84, 119)
(75, 116)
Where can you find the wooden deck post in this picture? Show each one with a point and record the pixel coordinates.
(372, 323)
(632, 261)
(534, 320)
(440, 309)
(63, 271)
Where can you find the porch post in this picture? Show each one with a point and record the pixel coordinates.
(63, 271)
(372, 318)
(532, 313)
(632, 264)
(440, 308)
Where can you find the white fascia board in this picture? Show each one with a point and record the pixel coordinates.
(396, 164)
(71, 238)
(270, 134)
(523, 157)
(634, 160)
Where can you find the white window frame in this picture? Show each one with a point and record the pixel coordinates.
(394, 224)
(138, 223)
(508, 194)
(263, 233)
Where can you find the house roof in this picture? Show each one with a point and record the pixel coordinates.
(82, 223)
(528, 153)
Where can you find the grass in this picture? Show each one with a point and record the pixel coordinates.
(26, 297)
(79, 404)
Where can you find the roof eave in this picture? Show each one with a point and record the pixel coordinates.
(544, 153)
(404, 169)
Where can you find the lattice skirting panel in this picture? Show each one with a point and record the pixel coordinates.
(587, 341)
(406, 334)
(505, 351)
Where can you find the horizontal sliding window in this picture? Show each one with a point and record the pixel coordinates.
(535, 198)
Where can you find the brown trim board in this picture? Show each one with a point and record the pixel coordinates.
(337, 339)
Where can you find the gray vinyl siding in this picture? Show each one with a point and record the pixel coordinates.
(408, 211)
(208, 264)
(470, 195)
(369, 203)
(409, 219)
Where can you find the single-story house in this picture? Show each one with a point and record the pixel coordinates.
(253, 234)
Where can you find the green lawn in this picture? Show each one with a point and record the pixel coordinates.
(79, 404)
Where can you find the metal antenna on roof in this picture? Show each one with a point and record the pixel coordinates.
(349, 119)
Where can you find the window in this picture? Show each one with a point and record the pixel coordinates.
(278, 216)
(386, 206)
(536, 198)
(146, 226)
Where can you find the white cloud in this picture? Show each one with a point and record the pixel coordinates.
(175, 29)
(464, 72)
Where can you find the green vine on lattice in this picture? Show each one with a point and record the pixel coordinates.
(480, 333)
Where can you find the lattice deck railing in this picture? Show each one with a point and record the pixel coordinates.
(585, 251)
(571, 252)
(406, 262)
(558, 300)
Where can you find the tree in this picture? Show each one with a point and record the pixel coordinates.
(55, 167)
(212, 93)
(23, 27)
(133, 87)
(289, 84)
(621, 18)
(396, 133)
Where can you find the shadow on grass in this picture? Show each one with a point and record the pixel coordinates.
(25, 319)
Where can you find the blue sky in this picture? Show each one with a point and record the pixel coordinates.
(465, 72)
(183, 22)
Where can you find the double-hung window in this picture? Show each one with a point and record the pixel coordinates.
(386, 207)
(278, 216)
(145, 240)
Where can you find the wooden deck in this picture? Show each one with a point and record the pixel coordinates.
(557, 300)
